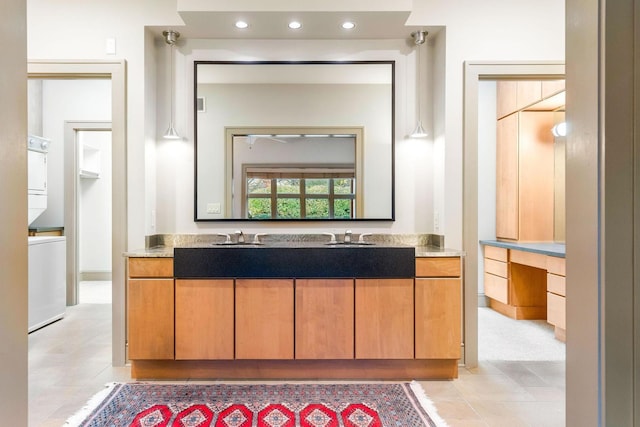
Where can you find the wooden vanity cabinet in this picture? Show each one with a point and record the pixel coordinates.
(150, 305)
(384, 319)
(204, 323)
(438, 308)
(264, 319)
(324, 318)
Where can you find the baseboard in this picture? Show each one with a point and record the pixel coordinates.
(94, 276)
(483, 300)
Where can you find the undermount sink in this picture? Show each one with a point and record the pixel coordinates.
(316, 261)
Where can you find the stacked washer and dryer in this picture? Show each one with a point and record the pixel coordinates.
(47, 254)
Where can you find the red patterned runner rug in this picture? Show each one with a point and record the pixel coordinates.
(259, 405)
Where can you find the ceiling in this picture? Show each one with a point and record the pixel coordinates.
(315, 25)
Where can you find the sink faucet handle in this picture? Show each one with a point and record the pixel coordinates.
(228, 238)
(256, 238)
(239, 236)
(333, 237)
(362, 236)
(347, 236)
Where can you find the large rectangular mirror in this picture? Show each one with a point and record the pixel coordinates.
(302, 141)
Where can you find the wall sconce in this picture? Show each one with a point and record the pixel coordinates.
(560, 129)
(419, 38)
(170, 37)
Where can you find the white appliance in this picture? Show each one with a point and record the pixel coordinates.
(37, 148)
(47, 280)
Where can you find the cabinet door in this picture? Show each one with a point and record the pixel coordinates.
(506, 93)
(384, 319)
(150, 319)
(324, 319)
(264, 319)
(535, 176)
(204, 319)
(507, 178)
(438, 318)
(529, 92)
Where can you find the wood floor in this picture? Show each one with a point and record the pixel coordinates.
(70, 360)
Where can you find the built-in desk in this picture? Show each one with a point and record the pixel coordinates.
(527, 281)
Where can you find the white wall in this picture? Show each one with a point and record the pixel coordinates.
(487, 117)
(175, 159)
(67, 100)
(492, 30)
(94, 208)
(428, 176)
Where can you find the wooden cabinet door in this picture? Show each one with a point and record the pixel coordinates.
(507, 178)
(324, 318)
(535, 176)
(204, 319)
(264, 319)
(384, 319)
(438, 318)
(150, 319)
(529, 92)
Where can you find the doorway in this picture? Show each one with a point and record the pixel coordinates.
(88, 195)
(115, 71)
(474, 73)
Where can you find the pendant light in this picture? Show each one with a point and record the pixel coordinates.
(170, 37)
(419, 38)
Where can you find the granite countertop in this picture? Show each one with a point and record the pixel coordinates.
(167, 251)
(545, 248)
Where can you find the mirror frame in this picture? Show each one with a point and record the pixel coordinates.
(391, 63)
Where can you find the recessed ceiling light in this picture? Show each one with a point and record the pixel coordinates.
(241, 24)
(348, 25)
(294, 25)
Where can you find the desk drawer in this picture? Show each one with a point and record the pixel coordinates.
(497, 268)
(556, 284)
(493, 252)
(556, 265)
(556, 310)
(531, 259)
(496, 288)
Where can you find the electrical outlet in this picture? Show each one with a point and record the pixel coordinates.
(213, 208)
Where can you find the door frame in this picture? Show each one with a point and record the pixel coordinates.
(474, 71)
(116, 71)
(71, 205)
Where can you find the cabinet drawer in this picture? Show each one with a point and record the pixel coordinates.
(438, 267)
(150, 267)
(531, 259)
(498, 268)
(556, 284)
(496, 288)
(493, 252)
(556, 310)
(556, 265)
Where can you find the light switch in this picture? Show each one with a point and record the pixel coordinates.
(110, 46)
(213, 208)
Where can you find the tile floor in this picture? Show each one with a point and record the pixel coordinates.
(70, 360)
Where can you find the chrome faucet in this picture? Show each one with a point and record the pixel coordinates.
(362, 236)
(239, 236)
(228, 238)
(347, 236)
(256, 238)
(333, 237)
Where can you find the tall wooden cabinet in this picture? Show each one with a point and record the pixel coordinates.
(525, 176)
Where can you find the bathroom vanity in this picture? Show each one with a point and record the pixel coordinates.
(294, 311)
